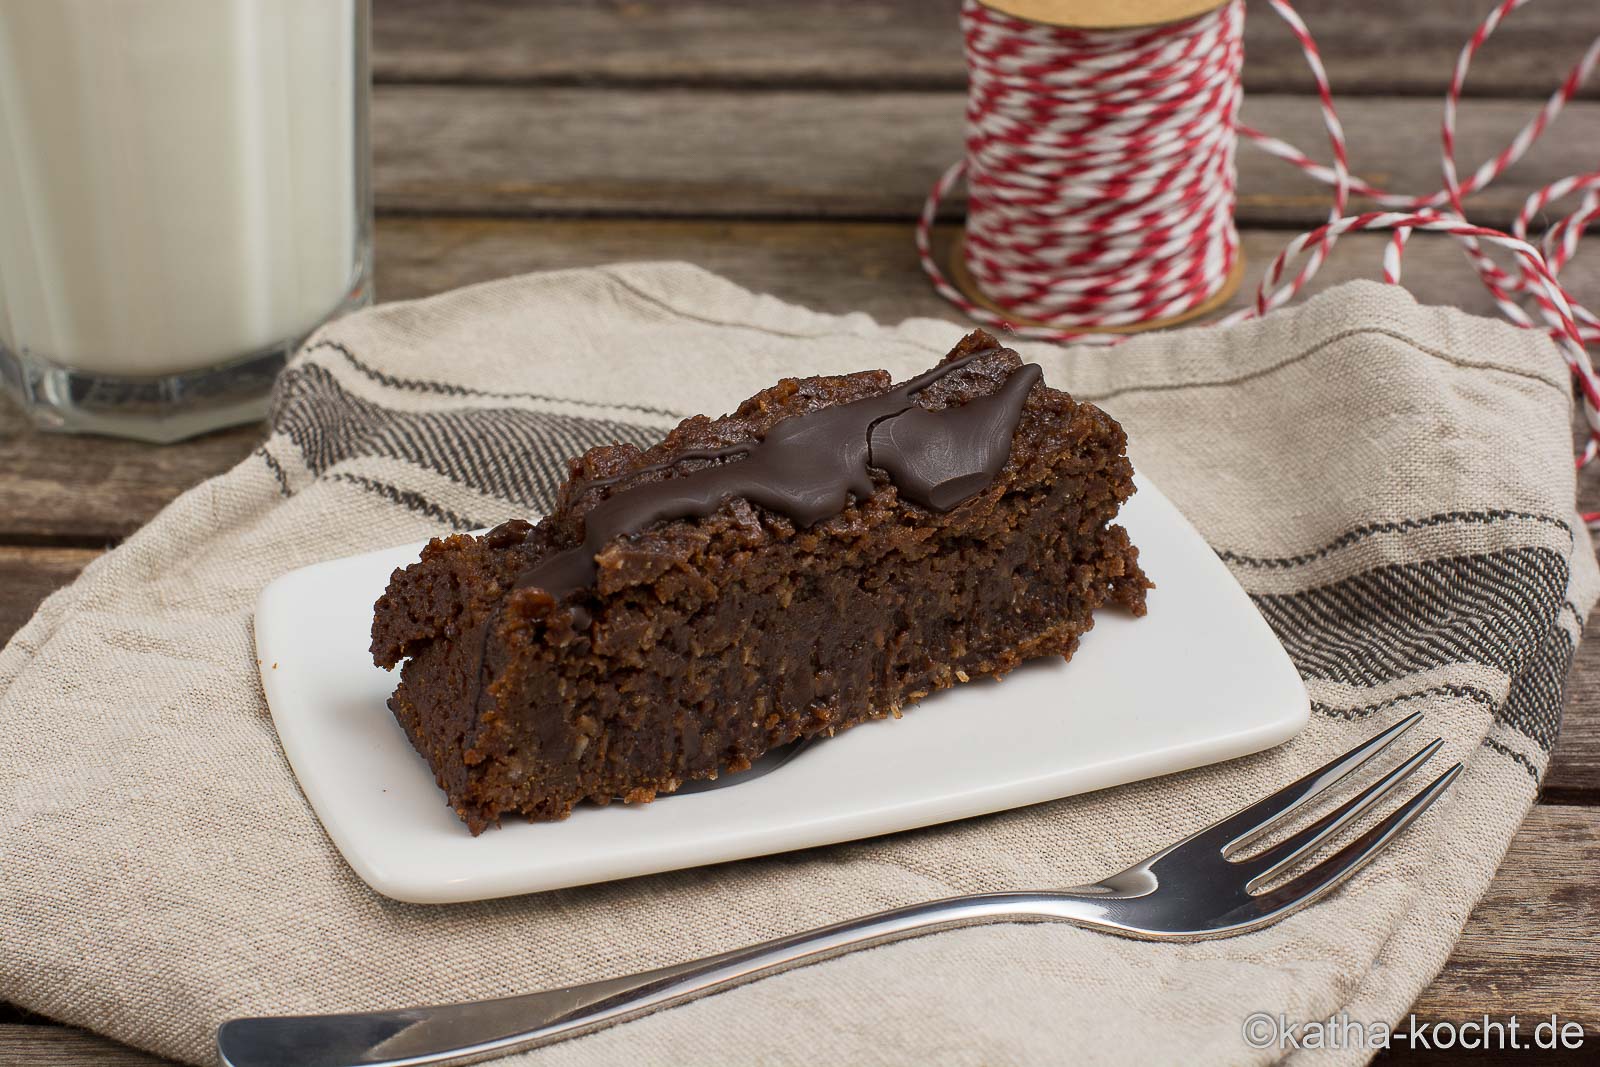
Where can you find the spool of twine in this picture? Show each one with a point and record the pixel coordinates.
(1100, 161)
(1100, 173)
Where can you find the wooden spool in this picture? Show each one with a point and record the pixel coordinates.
(1099, 15)
(1104, 14)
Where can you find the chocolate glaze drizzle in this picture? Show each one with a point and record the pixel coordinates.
(807, 466)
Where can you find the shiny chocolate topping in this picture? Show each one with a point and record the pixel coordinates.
(808, 466)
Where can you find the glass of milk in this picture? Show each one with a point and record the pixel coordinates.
(184, 196)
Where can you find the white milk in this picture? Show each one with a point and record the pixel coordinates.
(177, 178)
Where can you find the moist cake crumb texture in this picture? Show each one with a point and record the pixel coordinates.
(692, 645)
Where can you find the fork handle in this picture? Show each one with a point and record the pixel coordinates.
(464, 1033)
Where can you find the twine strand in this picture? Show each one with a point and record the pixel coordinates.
(1100, 174)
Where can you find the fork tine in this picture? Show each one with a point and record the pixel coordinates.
(1326, 875)
(1234, 828)
(1273, 860)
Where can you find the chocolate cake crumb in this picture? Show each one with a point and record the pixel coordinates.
(690, 646)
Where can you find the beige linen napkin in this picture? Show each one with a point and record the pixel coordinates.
(1391, 483)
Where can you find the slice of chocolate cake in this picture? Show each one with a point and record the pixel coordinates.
(831, 552)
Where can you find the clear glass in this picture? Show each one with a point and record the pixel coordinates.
(185, 194)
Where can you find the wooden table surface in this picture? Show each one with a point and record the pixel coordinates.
(788, 147)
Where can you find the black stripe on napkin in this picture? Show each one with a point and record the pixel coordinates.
(514, 454)
(1493, 609)
(1533, 706)
(1399, 526)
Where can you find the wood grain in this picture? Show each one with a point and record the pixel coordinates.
(828, 265)
(1530, 945)
(1368, 45)
(1528, 948)
(87, 492)
(1574, 773)
(784, 154)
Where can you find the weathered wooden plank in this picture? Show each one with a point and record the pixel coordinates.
(830, 266)
(1528, 948)
(721, 153)
(1574, 774)
(90, 491)
(28, 575)
(1368, 45)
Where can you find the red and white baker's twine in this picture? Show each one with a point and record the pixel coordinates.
(1100, 176)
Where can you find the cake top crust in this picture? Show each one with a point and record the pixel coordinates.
(807, 465)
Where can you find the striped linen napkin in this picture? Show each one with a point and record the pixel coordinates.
(1391, 483)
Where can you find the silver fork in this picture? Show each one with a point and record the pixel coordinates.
(1189, 891)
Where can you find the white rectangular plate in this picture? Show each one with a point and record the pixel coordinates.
(1200, 679)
